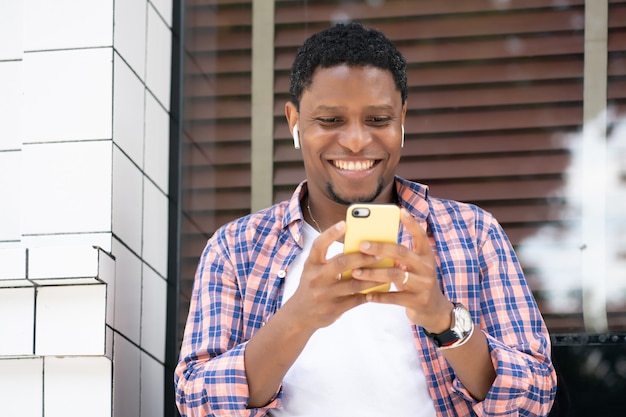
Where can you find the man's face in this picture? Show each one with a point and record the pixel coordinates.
(350, 129)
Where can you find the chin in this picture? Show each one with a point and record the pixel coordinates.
(343, 198)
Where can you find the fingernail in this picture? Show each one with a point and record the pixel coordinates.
(366, 245)
(357, 272)
(341, 225)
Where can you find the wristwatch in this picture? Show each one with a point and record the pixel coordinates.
(461, 331)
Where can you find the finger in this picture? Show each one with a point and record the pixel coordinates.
(352, 286)
(321, 244)
(381, 275)
(421, 244)
(345, 263)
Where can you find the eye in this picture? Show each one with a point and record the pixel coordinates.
(329, 120)
(379, 120)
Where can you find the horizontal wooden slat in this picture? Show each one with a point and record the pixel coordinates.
(211, 63)
(207, 154)
(228, 177)
(200, 131)
(494, 119)
(223, 109)
(617, 40)
(226, 16)
(212, 220)
(217, 199)
(617, 16)
(617, 64)
(212, 38)
(478, 96)
(472, 49)
(505, 189)
(202, 85)
(616, 89)
(488, 72)
(295, 13)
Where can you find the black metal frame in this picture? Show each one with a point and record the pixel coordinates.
(173, 272)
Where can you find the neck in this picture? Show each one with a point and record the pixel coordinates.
(328, 212)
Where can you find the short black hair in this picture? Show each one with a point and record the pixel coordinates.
(351, 44)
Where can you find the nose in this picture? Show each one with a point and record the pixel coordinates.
(355, 137)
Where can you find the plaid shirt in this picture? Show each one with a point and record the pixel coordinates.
(238, 286)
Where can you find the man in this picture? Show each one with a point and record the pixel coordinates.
(273, 331)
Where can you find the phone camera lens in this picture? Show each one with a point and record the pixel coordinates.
(360, 212)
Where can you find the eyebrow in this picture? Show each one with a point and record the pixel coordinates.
(380, 107)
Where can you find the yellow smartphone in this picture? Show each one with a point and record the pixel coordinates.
(373, 223)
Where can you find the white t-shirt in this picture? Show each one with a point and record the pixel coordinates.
(364, 364)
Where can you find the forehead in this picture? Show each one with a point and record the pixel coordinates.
(343, 84)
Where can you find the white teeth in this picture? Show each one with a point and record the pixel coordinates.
(354, 165)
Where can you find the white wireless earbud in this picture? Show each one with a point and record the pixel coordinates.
(296, 137)
(402, 143)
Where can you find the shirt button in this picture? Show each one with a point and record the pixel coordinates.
(282, 273)
(297, 237)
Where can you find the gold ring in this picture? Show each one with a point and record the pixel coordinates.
(406, 277)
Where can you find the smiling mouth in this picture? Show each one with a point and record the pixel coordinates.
(354, 165)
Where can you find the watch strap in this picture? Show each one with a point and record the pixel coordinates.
(450, 338)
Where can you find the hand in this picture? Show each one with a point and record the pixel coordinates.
(415, 277)
(322, 297)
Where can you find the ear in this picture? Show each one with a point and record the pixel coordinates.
(296, 137)
(291, 112)
(402, 125)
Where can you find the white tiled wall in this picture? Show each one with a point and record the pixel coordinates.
(84, 156)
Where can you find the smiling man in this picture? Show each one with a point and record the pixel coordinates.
(273, 331)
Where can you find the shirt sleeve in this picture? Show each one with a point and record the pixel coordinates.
(210, 379)
(518, 339)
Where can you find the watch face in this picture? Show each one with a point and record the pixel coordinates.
(463, 319)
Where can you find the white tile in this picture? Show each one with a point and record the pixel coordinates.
(68, 95)
(130, 33)
(155, 206)
(66, 281)
(87, 380)
(63, 262)
(128, 111)
(127, 200)
(12, 263)
(64, 24)
(157, 153)
(108, 349)
(67, 187)
(10, 167)
(152, 386)
(101, 240)
(159, 58)
(11, 85)
(106, 273)
(126, 378)
(70, 320)
(127, 292)
(164, 8)
(21, 387)
(15, 283)
(153, 313)
(11, 26)
(17, 310)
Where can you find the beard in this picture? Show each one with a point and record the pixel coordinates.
(359, 199)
